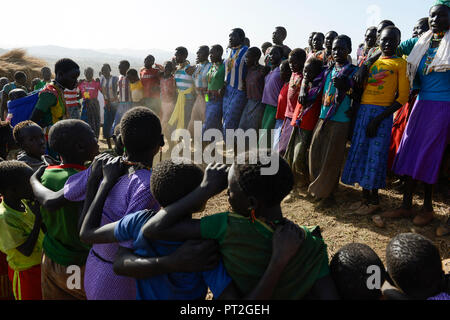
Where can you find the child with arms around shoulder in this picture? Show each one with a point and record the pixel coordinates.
(157, 283)
(245, 235)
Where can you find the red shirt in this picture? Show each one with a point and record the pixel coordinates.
(310, 119)
(150, 81)
(293, 93)
(282, 102)
(89, 90)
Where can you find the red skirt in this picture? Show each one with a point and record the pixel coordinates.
(399, 127)
(28, 286)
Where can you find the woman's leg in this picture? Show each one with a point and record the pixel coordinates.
(426, 216)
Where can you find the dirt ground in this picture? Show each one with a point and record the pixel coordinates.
(340, 228)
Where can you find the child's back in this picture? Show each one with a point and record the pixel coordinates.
(246, 249)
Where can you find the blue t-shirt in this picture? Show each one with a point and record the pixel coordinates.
(173, 286)
(328, 96)
(434, 86)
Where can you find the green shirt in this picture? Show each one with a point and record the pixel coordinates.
(246, 250)
(45, 102)
(62, 242)
(15, 228)
(216, 77)
(40, 85)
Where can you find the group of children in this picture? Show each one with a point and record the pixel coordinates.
(127, 228)
(131, 238)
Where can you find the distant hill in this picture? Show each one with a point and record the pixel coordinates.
(96, 58)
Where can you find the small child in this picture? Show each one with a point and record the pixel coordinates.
(125, 102)
(216, 86)
(272, 89)
(150, 78)
(46, 76)
(296, 60)
(200, 76)
(20, 230)
(75, 142)
(136, 88)
(254, 110)
(181, 179)
(168, 95)
(350, 271)
(20, 81)
(415, 267)
(30, 138)
(142, 137)
(285, 73)
(181, 115)
(14, 94)
(245, 235)
(330, 135)
(386, 92)
(89, 91)
(304, 120)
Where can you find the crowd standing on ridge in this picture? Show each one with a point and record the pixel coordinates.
(125, 224)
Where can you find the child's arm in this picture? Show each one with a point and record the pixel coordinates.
(163, 223)
(192, 256)
(286, 243)
(90, 232)
(28, 247)
(49, 199)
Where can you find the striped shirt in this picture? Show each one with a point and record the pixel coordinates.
(71, 98)
(236, 69)
(183, 80)
(109, 88)
(200, 75)
(124, 89)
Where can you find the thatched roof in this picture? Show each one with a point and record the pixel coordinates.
(18, 60)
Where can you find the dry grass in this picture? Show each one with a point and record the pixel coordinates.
(18, 60)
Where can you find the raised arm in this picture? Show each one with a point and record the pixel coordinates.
(91, 232)
(49, 199)
(161, 226)
(28, 247)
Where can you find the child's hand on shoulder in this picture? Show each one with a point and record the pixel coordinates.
(215, 179)
(113, 169)
(286, 242)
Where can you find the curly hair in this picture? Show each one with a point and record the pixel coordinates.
(141, 130)
(414, 264)
(348, 269)
(172, 181)
(270, 189)
(13, 173)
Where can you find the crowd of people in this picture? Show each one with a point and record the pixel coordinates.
(126, 226)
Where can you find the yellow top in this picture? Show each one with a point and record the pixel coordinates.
(387, 83)
(137, 91)
(15, 228)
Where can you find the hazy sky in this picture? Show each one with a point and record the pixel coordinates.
(145, 24)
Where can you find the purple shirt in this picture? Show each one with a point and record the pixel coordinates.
(255, 83)
(273, 87)
(130, 195)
